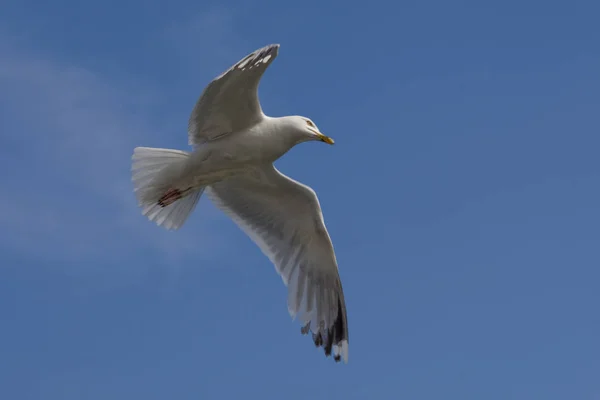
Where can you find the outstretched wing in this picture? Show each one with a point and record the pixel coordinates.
(283, 217)
(230, 102)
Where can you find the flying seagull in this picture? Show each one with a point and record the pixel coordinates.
(234, 146)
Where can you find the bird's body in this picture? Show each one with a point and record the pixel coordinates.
(235, 146)
(229, 155)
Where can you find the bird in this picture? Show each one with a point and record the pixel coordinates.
(234, 145)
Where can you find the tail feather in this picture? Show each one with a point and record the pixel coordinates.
(153, 172)
(175, 214)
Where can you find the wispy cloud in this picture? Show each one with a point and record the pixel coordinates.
(206, 40)
(66, 136)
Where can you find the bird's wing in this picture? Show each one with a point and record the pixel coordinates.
(230, 102)
(283, 217)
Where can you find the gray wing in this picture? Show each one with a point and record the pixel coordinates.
(230, 102)
(283, 217)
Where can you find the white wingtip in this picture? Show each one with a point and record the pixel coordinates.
(341, 349)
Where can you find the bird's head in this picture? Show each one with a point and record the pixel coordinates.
(307, 129)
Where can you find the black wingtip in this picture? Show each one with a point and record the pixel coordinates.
(335, 334)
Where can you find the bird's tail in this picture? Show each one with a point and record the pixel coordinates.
(153, 172)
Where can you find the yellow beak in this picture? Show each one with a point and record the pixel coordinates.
(324, 138)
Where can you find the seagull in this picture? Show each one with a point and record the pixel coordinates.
(234, 145)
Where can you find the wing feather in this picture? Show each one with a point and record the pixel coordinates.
(283, 217)
(230, 102)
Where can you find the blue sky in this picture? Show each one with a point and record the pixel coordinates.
(462, 197)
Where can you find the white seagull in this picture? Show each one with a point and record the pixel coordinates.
(234, 147)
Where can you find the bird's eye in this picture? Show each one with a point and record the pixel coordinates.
(310, 124)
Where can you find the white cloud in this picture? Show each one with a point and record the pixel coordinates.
(66, 137)
(208, 41)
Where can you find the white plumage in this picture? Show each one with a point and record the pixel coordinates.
(234, 147)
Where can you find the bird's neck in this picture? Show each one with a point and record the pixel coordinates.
(281, 135)
(288, 133)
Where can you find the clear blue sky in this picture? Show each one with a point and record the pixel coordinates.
(462, 196)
